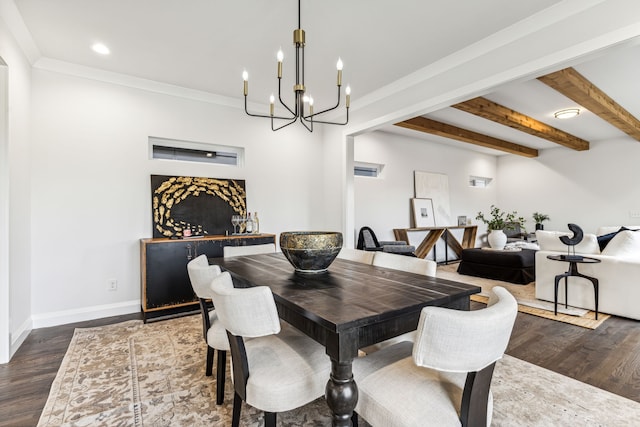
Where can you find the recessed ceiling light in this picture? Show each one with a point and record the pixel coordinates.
(566, 114)
(101, 49)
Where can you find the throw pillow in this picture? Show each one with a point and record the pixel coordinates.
(602, 230)
(606, 238)
(625, 244)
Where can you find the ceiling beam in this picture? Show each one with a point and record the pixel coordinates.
(490, 110)
(422, 124)
(575, 86)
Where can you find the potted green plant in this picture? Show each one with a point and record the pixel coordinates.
(497, 221)
(539, 218)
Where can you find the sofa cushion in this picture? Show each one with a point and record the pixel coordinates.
(550, 241)
(625, 244)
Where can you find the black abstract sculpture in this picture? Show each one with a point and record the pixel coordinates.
(572, 241)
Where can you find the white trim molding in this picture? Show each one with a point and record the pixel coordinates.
(55, 318)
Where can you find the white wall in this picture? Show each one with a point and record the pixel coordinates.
(15, 256)
(384, 203)
(338, 184)
(589, 188)
(91, 185)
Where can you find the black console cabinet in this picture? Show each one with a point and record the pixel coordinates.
(165, 287)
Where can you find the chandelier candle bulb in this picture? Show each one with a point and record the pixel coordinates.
(280, 57)
(245, 77)
(348, 92)
(339, 67)
(272, 100)
(310, 106)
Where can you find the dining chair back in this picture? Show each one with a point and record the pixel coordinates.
(266, 248)
(415, 265)
(404, 263)
(356, 255)
(280, 368)
(200, 275)
(444, 379)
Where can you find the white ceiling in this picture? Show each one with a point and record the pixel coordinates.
(206, 44)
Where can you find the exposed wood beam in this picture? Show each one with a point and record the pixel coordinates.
(505, 116)
(423, 124)
(573, 85)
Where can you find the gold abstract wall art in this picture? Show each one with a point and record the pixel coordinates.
(203, 204)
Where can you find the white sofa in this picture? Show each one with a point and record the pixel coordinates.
(618, 272)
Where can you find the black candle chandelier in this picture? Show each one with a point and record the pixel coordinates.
(308, 117)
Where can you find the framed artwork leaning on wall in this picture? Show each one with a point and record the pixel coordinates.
(422, 210)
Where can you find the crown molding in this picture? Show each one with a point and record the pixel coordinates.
(67, 68)
(11, 16)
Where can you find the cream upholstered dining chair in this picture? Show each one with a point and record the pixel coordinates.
(445, 378)
(357, 255)
(278, 369)
(405, 263)
(426, 267)
(201, 274)
(266, 248)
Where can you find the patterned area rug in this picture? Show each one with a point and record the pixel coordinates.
(527, 301)
(135, 374)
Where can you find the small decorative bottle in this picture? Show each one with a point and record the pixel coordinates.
(256, 223)
(249, 223)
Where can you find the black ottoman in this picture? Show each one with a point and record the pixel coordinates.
(509, 266)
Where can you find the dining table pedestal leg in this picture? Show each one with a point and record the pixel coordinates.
(341, 393)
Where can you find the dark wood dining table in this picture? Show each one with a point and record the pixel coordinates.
(350, 306)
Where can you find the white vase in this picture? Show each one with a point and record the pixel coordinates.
(497, 239)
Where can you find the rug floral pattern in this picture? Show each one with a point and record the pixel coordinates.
(135, 374)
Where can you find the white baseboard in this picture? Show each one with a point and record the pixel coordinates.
(18, 337)
(55, 318)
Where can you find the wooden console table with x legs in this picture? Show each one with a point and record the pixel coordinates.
(444, 232)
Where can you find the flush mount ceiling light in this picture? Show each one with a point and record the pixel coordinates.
(100, 48)
(567, 113)
(297, 112)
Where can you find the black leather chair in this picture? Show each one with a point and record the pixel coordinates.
(368, 241)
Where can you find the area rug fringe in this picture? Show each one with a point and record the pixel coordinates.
(587, 321)
(153, 375)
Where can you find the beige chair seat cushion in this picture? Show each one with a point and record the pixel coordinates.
(286, 371)
(390, 387)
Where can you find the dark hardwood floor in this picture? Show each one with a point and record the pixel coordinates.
(26, 379)
(608, 358)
